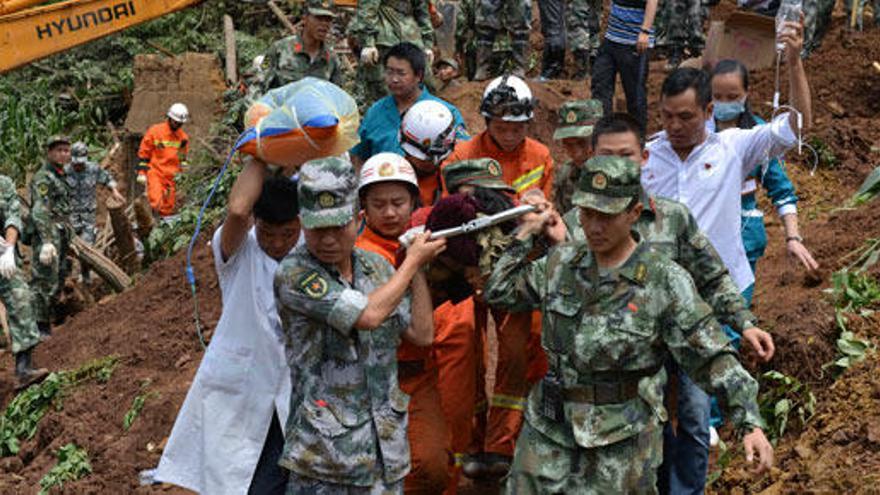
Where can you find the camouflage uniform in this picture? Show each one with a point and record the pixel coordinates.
(583, 30)
(494, 16)
(576, 119)
(465, 38)
(50, 223)
(83, 200)
(347, 427)
(593, 423)
(382, 25)
(14, 291)
(286, 62)
(683, 21)
(817, 19)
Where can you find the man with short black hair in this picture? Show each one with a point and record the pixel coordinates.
(705, 171)
(405, 67)
(228, 435)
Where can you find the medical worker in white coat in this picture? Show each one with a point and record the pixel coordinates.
(228, 435)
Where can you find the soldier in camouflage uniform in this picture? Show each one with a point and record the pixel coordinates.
(14, 291)
(378, 26)
(817, 20)
(308, 53)
(343, 311)
(683, 21)
(583, 26)
(575, 128)
(494, 16)
(50, 231)
(615, 310)
(83, 177)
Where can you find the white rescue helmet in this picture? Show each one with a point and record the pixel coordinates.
(427, 131)
(178, 113)
(388, 167)
(508, 98)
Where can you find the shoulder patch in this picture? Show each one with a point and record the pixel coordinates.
(641, 273)
(313, 285)
(43, 188)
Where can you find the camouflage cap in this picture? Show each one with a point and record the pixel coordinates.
(79, 152)
(482, 172)
(577, 118)
(320, 7)
(450, 61)
(57, 139)
(608, 184)
(327, 192)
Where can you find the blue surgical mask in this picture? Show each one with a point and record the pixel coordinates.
(725, 111)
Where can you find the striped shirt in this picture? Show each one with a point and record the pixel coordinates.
(625, 23)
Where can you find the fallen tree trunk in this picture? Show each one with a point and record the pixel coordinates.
(122, 235)
(103, 266)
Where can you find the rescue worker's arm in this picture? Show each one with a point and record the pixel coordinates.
(716, 287)
(11, 210)
(107, 180)
(367, 20)
(799, 87)
(644, 40)
(781, 192)
(41, 210)
(422, 15)
(515, 283)
(145, 152)
(244, 195)
(700, 347)
(547, 179)
(421, 329)
(183, 151)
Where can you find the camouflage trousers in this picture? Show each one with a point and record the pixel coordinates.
(683, 22)
(16, 296)
(542, 466)
(817, 19)
(860, 12)
(47, 280)
(582, 25)
(300, 485)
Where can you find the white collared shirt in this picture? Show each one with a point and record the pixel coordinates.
(710, 181)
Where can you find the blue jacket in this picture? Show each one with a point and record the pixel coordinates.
(381, 124)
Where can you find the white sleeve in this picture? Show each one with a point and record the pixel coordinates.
(756, 145)
(225, 269)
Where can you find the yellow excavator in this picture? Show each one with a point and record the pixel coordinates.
(29, 32)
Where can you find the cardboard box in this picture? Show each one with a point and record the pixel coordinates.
(745, 36)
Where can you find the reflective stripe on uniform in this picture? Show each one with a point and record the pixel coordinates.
(528, 179)
(508, 402)
(167, 144)
(458, 458)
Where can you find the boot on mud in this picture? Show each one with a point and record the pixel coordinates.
(674, 59)
(25, 371)
(483, 57)
(473, 466)
(582, 65)
(554, 61)
(45, 329)
(520, 57)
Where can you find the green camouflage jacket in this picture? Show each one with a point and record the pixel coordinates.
(10, 206)
(621, 321)
(346, 410)
(387, 23)
(565, 180)
(671, 229)
(286, 62)
(50, 204)
(83, 184)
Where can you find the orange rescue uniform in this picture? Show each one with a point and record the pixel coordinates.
(521, 359)
(417, 373)
(162, 154)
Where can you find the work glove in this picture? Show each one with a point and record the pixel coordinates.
(142, 179)
(7, 262)
(370, 55)
(48, 253)
(429, 57)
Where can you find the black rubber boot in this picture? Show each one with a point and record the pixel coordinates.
(582, 64)
(25, 371)
(45, 329)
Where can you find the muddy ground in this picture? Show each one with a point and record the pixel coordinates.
(150, 327)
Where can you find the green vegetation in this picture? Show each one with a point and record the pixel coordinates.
(137, 405)
(781, 397)
(21, 417)
(73, 464)
(824, 153)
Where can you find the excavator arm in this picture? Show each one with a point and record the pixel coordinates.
(30, 33)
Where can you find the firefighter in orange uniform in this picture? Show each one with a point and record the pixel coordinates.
(388, 191)
(162, 156)
(526, 165)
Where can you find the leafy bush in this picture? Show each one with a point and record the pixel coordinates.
(73, 464)
(781, 396)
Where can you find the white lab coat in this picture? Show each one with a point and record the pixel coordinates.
(221, 428)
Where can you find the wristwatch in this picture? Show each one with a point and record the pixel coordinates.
(794, 238)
